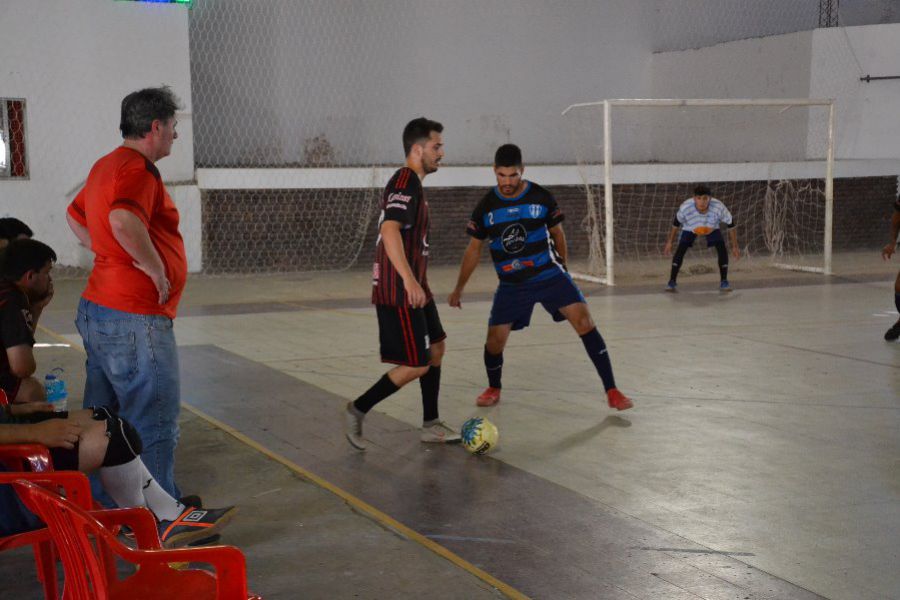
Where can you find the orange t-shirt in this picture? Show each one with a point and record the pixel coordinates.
(125, 179)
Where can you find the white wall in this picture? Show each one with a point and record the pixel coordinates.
(816, 64)
(868, 114)
(73, 61)
(682, 24)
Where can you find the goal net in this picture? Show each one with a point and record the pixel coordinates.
(284, 145)
(769, 161)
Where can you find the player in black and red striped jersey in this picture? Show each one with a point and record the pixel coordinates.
(409, 328)
(894, 332)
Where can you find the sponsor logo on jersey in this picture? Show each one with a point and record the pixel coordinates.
(517, 265)
(395, 197)
(513, 238)
(396, 205)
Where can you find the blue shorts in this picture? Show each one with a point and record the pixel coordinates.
(712, 238)
(514, 302)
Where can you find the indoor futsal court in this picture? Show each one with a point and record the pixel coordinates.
(761, 457)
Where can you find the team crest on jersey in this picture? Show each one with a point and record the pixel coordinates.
(534, 210)
(513, 238)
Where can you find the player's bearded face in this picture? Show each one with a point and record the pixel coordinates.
(432, 152)
(509, 180)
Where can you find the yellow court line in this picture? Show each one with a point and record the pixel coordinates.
(364, 507)
(357, 503)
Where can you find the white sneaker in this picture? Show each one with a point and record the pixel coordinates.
(353, 428)
(439, 434)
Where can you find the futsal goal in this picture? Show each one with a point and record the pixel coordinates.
(769, 160)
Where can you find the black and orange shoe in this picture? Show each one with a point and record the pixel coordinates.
(194, 524)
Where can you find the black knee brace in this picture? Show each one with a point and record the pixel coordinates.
(124, 441)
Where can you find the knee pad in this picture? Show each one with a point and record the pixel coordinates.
(124, 442)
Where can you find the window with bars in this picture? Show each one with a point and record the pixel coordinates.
(13, 157)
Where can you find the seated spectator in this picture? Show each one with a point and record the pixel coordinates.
(13, 229)
(86, 440)
(26, 287)
(97, 440)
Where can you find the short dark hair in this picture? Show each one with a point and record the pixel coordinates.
(702, 190)
(11, 228)
(141, 108)
(418, 130)
(21, 256)
(508, 155)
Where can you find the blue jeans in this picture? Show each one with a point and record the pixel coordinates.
(132, 368)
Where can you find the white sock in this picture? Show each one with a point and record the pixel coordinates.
(124, 482)
(164, 506)
(131, 485)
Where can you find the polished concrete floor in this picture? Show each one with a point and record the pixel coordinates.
(762, 458)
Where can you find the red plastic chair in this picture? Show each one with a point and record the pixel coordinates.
(86, 548)
(76, 487)
(16, 456)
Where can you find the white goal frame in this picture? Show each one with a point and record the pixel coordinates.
(787, 103)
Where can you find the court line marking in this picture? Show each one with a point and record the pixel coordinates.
(357, 503)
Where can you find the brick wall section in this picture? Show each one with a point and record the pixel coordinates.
(285, 230)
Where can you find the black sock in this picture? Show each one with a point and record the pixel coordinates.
(431, 388)
(676, 261)
(493, 364)
(897, 301)
(596, 349)
(723, 261)
(383, 388)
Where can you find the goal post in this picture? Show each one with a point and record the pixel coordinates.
(775, 156)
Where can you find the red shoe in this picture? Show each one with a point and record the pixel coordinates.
(618, 400)
(488, 397)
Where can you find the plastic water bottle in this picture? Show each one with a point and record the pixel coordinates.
(56, 389)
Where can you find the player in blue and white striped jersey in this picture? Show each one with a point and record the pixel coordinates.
(701, 215)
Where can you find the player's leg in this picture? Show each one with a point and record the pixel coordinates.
(684, 243)
(112, 447)
(716, 240)
(566, 299)
(511, 309)
(894, 332)
(403, 338)
(433, 429)
(494, 345)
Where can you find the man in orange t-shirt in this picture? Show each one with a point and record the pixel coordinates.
(125, 216)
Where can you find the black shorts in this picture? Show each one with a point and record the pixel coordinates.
(64, 459)
(406, 334)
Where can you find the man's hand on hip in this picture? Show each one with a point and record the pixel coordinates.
(159, 279)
